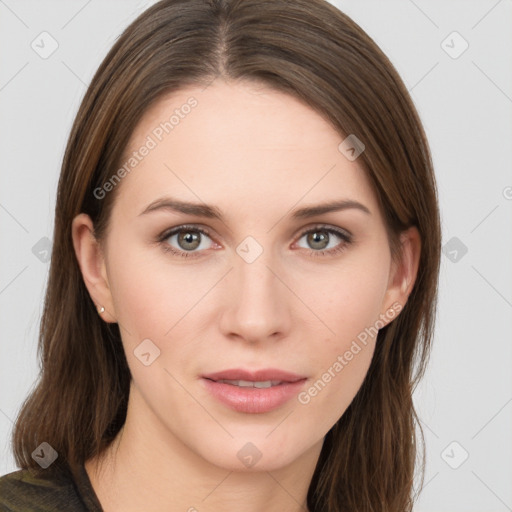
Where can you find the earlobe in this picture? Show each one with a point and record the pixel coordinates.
(404, 272)
(91, 261)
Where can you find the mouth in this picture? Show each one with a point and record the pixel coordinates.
(238, 375)
(251, 384)
(253, 392)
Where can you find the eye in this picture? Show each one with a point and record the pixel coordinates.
(320, 238)
(188, 239)
(190, 243)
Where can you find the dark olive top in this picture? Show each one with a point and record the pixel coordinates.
(48, 490)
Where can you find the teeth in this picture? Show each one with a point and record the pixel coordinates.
(251, 384)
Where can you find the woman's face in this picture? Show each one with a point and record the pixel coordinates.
(254, 281)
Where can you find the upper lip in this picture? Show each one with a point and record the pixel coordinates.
(254, 376)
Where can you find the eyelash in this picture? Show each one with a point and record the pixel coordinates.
(346, 238)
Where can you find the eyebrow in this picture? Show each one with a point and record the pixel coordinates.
(212, 212)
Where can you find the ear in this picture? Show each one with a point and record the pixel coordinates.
(402, 275)
(92, 265)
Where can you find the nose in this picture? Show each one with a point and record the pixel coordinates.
(257, 303)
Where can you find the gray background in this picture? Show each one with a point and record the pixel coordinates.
(465, 101)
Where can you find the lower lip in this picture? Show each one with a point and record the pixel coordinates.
(253, 400)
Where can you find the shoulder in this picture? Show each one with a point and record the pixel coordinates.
(30, 490)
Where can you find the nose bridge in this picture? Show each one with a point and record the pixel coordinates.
(254, 255)
(257, 306)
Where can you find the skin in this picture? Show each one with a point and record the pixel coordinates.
(257, 155)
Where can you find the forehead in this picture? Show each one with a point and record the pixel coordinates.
(238, 145)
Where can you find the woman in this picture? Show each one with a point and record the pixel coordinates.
(244, 273)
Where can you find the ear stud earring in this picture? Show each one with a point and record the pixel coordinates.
(101, 310)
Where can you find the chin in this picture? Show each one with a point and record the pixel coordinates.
(244, 455)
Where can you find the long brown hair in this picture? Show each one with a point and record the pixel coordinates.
(308, 49)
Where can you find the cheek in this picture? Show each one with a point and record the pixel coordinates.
(157, 300)
(151, 301)
(347, 299)
(349, 305)
(147, 292)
